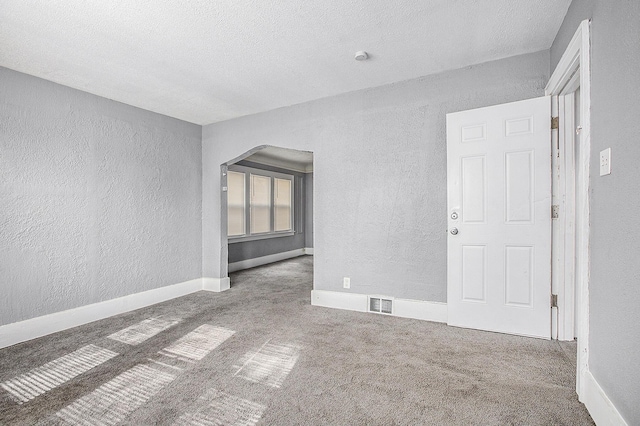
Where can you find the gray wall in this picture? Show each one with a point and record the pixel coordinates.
(379, 173)
(308, 210)
(614, 339)
(257, 248)
(98, 199)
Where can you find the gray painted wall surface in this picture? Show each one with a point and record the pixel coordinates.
(614, 339)
(98, 199)
(308, 210)
(258, 248)
(379, 173)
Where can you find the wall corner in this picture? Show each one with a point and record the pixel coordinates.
(216, 284)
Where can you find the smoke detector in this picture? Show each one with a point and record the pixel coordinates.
(362, 56)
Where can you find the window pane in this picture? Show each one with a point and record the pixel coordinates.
(235, 204)
(260, 204)
(282, 202)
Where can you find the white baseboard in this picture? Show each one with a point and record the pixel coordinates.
(339, 300)
(420, 309)
(264, 260)
(602, 410)
(308, 250)
(406, 308)
(216, 284)
(18, 332)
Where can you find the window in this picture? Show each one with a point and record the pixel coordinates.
(259, 203)
(282, 204)
(236, 203)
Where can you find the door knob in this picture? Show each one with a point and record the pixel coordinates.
(454, 231)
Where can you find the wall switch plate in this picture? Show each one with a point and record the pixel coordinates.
(605, 162)
(346, 282)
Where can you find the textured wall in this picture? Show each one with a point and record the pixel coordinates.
(308, 210)
(379, 173)
(258, 248)
(614, 339)
(98, 199)
(578, 11)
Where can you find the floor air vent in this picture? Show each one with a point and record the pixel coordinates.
(380, 305)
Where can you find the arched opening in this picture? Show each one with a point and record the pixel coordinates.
(266, 208)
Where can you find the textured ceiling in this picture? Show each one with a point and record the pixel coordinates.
(205, 61)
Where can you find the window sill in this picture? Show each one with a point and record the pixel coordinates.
(245, 238)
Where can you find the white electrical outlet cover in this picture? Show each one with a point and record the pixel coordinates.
(605, 162)
(346, 282)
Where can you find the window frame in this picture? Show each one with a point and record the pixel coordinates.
(248, 236)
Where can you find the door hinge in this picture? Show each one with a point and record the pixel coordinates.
(555, 211)
(555, 122)
(554, 300)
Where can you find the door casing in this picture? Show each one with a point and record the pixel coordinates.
(573, 71)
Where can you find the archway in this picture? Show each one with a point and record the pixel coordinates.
(255, 229)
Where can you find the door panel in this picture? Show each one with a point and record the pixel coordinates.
(519, 176)
(473, 192)
(518, 275)
(499, 201)
(474, 269)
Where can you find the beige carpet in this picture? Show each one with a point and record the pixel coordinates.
(261, 354)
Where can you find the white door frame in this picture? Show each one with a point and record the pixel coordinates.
(573, 71)
(564, 224)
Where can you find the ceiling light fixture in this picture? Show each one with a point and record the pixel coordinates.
(362, 56)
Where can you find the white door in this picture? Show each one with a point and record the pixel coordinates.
(499, 207)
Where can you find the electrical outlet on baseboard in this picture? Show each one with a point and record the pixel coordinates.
(346, 282)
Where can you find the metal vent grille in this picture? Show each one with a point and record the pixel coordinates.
(380, 305)
(374, 304)
(386, 306)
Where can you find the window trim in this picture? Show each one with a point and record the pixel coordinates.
(248, 236)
